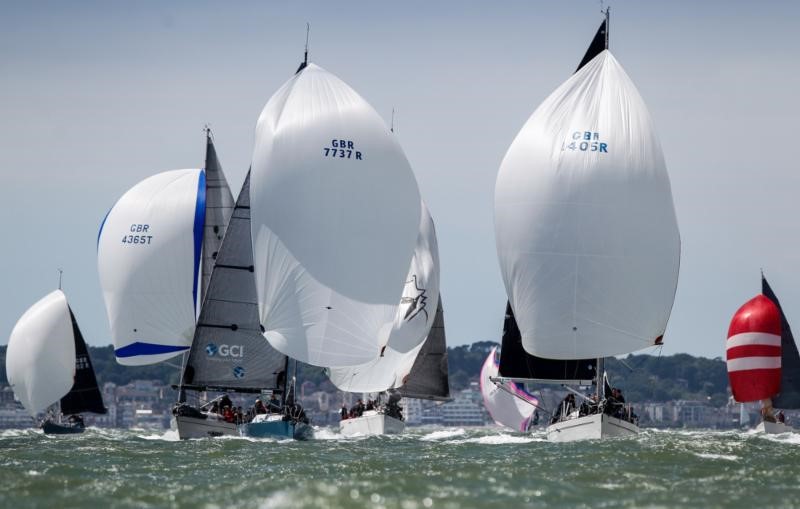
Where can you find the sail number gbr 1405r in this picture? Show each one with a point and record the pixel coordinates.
(344, 149)
(139, 235)
(584, 141)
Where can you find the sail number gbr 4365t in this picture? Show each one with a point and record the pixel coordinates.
(139, 234)
(584, 141)
(344, 149)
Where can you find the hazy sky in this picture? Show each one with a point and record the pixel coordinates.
(97, 96)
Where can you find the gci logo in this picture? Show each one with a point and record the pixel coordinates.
(224, 350)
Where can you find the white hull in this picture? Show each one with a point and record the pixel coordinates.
(773, 428)
(193, 427)
(371, 423)
(590, 427)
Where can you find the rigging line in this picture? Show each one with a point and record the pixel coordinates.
(308, 30)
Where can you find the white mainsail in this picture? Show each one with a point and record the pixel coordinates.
(40, 360)
(585, 226)
(509, 404)
(149, 256)
(335, 217)
(412, 322)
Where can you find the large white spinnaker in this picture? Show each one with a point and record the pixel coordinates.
(420, 297)
(413, 322)
(40, 360)
(148, 257)
(585, 226)
(335, 218)
(507, 403)
(386, 372)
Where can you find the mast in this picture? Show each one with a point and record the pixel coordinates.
(601, 366)
(304, 64)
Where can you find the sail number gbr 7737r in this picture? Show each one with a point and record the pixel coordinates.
(138, 235)
(342, 148)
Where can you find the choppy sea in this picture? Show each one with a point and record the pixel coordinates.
(433, 467)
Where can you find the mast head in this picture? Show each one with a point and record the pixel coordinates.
(305, 54)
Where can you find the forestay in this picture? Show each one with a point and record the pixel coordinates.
(148, 252)
(412, 323)
(40, 360)
(228, 351)
(335, 217)
(585, 226)
(508, 404)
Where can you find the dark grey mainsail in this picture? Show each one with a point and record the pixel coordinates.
(428, 377)
(219, 206)
(789, 396)
(85, 395)
(598, 44)
(517, 364)
(228, 351)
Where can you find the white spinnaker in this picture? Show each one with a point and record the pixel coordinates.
(384, 373)
(148, 257)
(335, 217)
(506, 409)
(413, 322)
(420, 297)
(40, 360)
(585, 226)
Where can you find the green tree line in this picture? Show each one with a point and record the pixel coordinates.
(641, 377)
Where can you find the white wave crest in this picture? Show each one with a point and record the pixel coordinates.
(442, 434)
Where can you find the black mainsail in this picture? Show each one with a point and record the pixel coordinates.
(85, 395)
(598, 44)
(428, 376)
(789, 397)
(519, 365)
(228, 352)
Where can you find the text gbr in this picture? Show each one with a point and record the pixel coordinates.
(585, 141)
(342, 148)
(140, 238)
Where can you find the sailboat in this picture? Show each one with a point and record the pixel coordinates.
(335, 219)
(228, 352)
(587, 237)
(155, 250)
(427, 379)
(507, 402)
(763, 360)
(47, 363)
(413, 325)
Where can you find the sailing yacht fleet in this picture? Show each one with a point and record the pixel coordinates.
(329, 257)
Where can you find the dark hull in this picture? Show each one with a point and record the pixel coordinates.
(51, 428)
